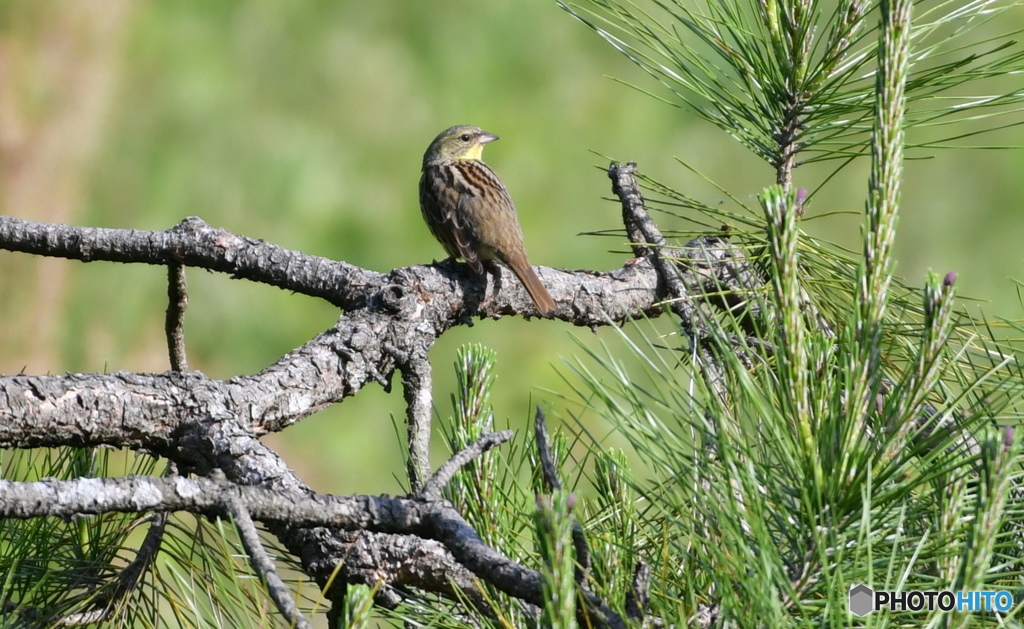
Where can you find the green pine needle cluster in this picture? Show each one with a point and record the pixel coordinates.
(794, 80)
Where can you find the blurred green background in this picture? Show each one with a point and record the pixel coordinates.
(304, 124)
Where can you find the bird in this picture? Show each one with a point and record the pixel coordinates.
(469, 210)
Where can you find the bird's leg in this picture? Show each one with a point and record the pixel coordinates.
(491, 267)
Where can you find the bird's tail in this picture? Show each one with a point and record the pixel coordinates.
(540, 295)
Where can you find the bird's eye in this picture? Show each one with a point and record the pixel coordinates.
(464, 137)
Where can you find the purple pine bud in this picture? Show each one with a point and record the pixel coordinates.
(949, 279)
(801, 196)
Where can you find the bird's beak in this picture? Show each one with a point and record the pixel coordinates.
(488, 137)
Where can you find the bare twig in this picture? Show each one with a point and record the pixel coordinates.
(177, 302)
(82, 619)
(639, 593)
(624, 186)
(432, 488)
(127, 579)
(549, 471)
(263, 565)
(683, 302)
(416, 387)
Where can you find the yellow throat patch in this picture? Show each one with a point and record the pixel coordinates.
(474, 152)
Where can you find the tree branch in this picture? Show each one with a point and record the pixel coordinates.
(432, 488)
(416, 387)
(447, 288)
(174, 324)
(391, 320)
(683, 296)
(427, 519)
(194, 243)
(549, 472)
(262, 564)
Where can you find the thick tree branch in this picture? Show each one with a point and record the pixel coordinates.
(449, 288)
(194, 243)
(391, 320)
(144, 411)
(435, 520)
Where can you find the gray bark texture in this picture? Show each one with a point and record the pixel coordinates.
(210, 428)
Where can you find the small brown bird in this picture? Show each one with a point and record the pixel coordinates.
(470, 212)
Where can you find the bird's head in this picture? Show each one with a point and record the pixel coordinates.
(455, 143)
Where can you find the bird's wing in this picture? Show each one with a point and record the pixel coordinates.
(486, 209)
(462, 237)
(442, 201)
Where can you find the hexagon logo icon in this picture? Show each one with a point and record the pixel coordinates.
(861, 600)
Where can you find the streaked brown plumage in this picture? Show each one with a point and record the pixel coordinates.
(470, 212)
